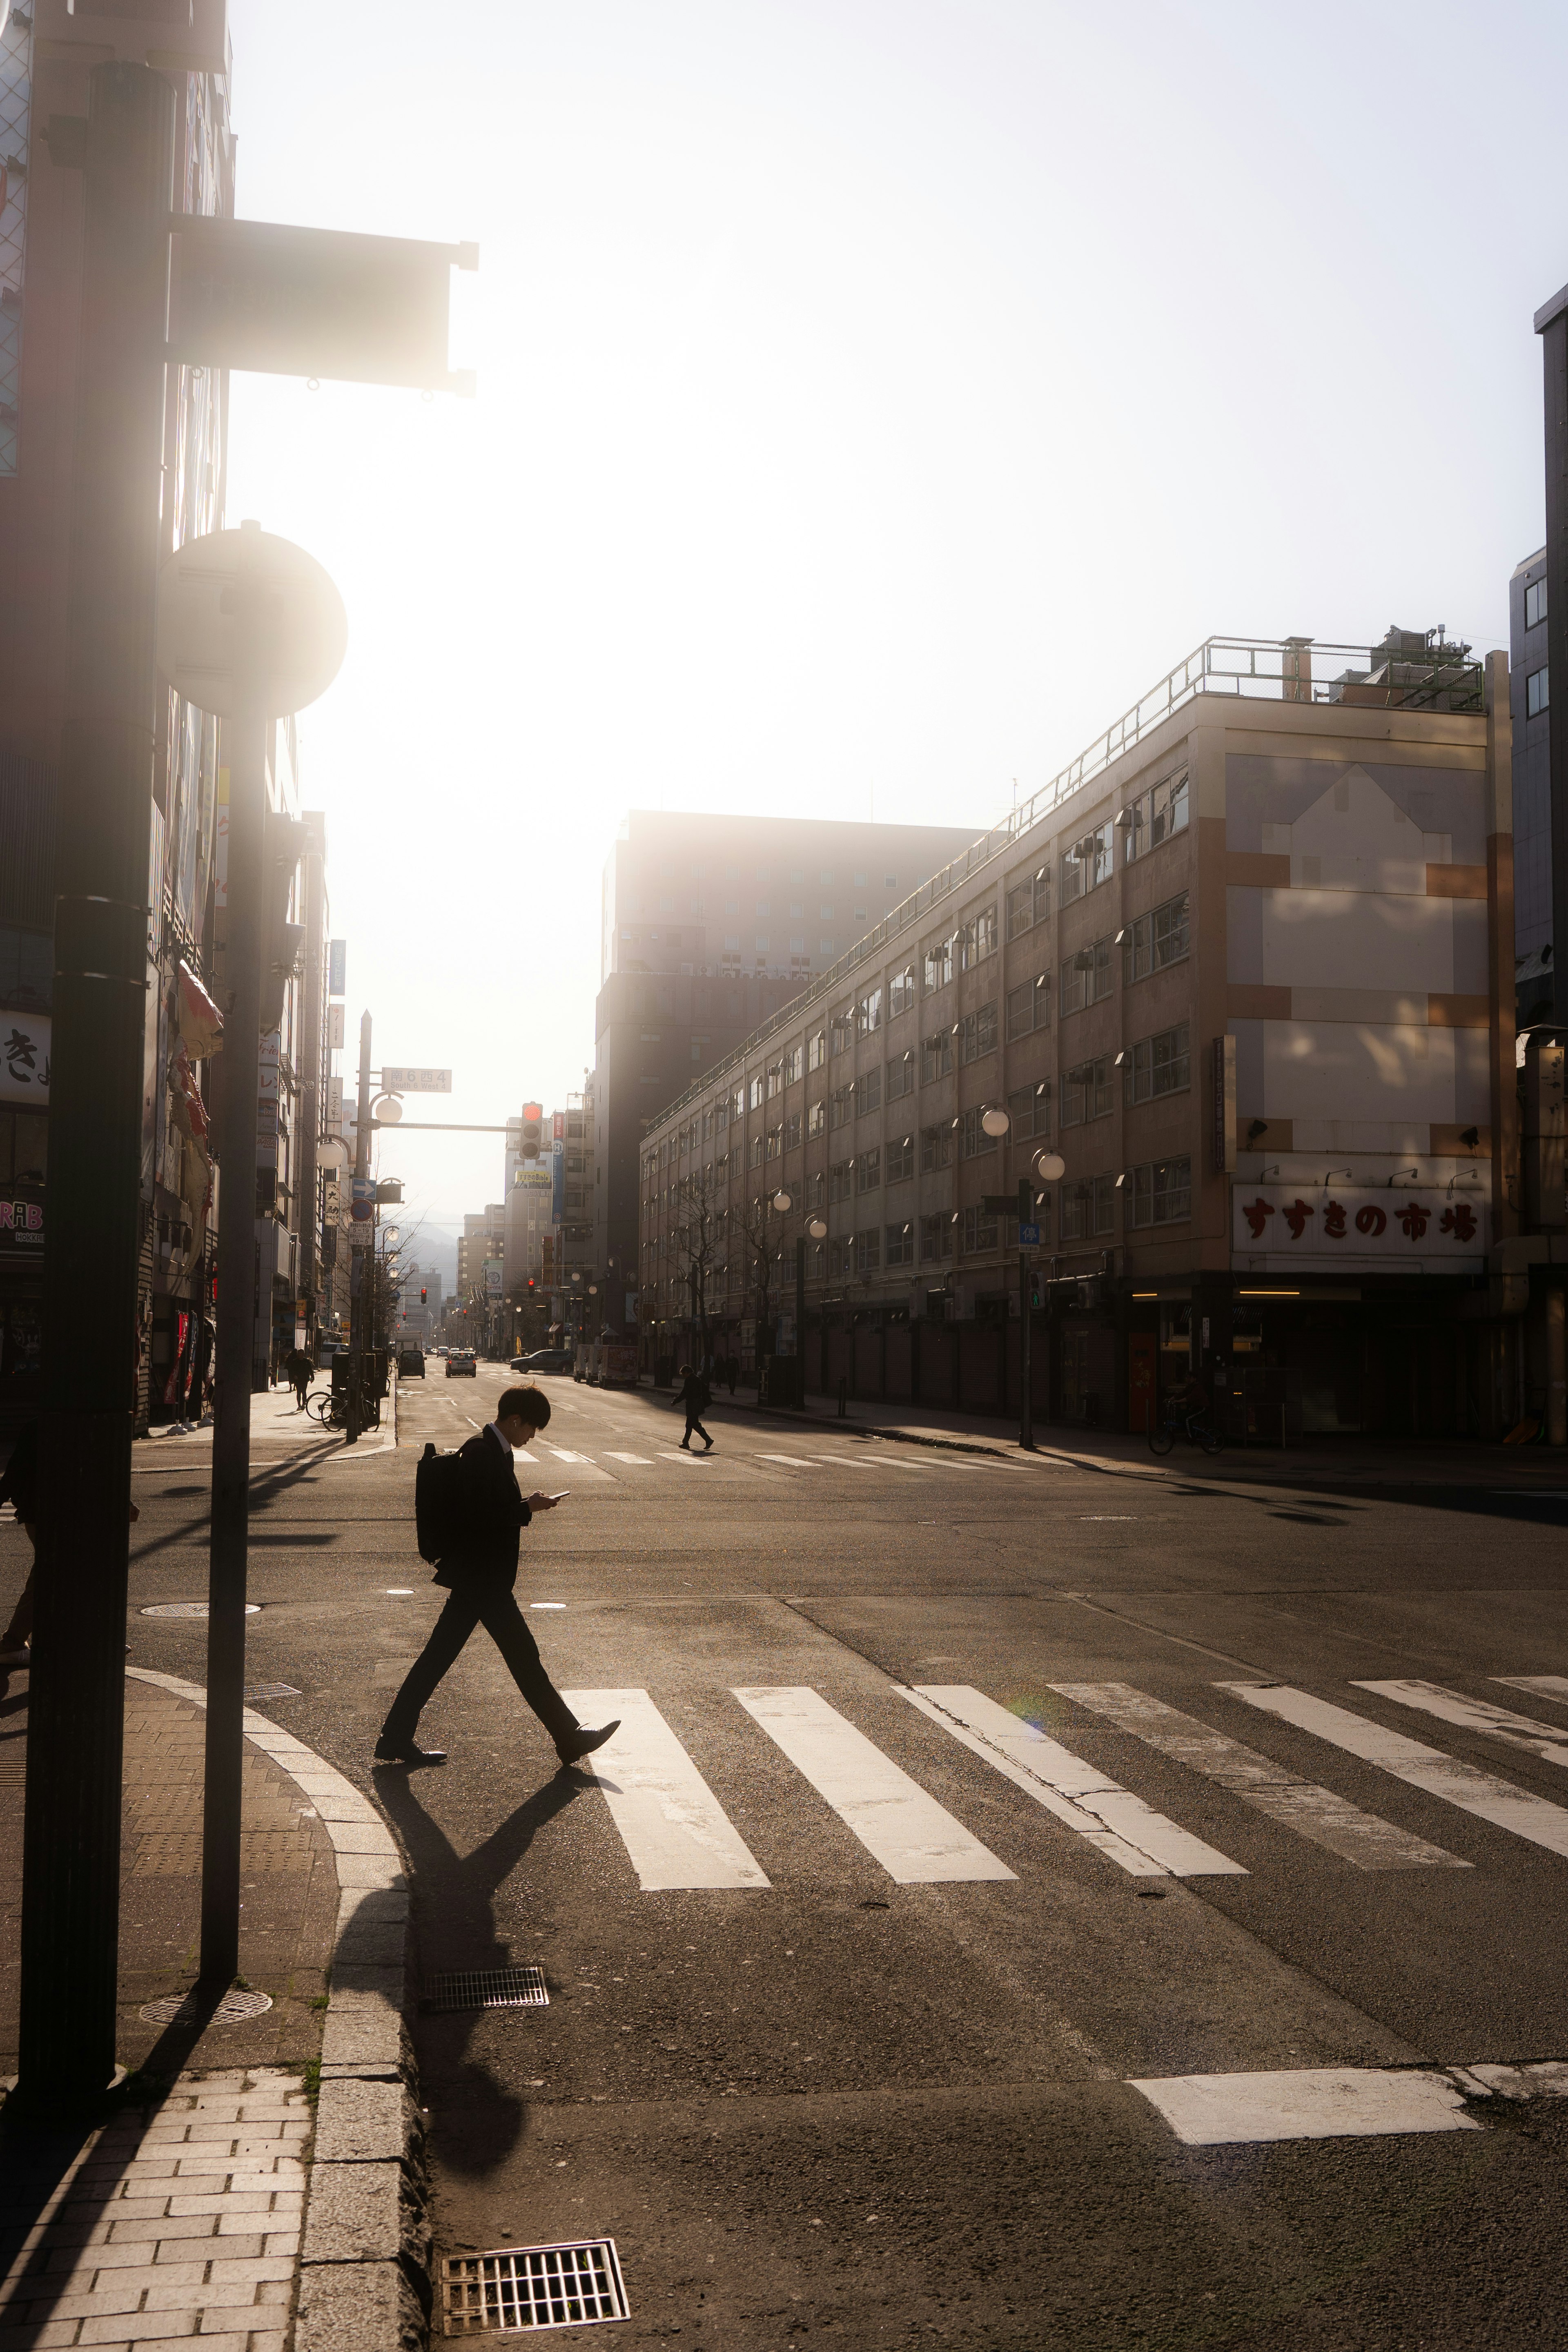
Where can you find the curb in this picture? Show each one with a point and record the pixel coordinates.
(364, 2264)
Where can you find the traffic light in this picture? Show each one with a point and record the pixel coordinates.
(531, 1285)
(423, 1295)
(282, 846)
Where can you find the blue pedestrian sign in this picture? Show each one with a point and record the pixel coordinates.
(1028, 1237)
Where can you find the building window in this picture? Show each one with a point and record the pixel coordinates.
(755, 1091)
(936, 1056)
(840, 1257)
(754, 1156)
(839, 1181)
(869, 1012)
(1162, 1193)
(977, 1034)
(1031, 1109)
(815, 1189)
(1088, 1207)
(900, 992)
(1156, 815)
(843, 1106)
(898, 1245)
(973, 1142)
(936, 1147)
(937, 962)
(775, 1141)
(1086, 977)
(868, 1170)
(793, 1064)
(900, 1158)
(936, 1238)
(1161, 1064)
(977, 939)
(816, 1119)
(981, 1232)
(815, 1050)
(1030, 1007)
(791, 1131)
(732, 942)
(775, 1080)
(1151, 941)
(868, 1093)
(1537, 692)
(843, 1030)
(901, 1078)
(825, 947)
(1087, 1091)
(1087, 864)
(1535, 603)
(868, 1252)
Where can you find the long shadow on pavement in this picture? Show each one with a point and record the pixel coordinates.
(479, 2121)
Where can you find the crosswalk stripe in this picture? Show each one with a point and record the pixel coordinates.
(794, 1461)
(644, 1460)
(562, 1454)
(1539, 1685)
(673, 1827)
(1308, 2102)
(1428, 1768)
(917, 1840)
(1363, 1839)
(1543, 1739)
(1122, 1825)
(681, 1454)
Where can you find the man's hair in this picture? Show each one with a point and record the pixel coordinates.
(686, 1371)
(531, 1402)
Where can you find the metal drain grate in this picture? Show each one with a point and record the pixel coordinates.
(518, 2287)
(270, 1690)
(181, 2007)
(511, 1987)
(191, 1608)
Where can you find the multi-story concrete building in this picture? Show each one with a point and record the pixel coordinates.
(1527, 599)
(709, 924)
(1247, 966)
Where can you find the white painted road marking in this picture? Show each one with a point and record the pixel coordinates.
(1314, 2103)
(645, 1461)
(673, 1827)
(1317, 1813)
(562, 1454)
(1122, 1825)
(681, 1454)
(1543, 1739)
(794, 1461)
(1428, 1768)
(1539, 1685)
(916, 1841)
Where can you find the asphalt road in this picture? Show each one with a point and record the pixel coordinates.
(849, 1989)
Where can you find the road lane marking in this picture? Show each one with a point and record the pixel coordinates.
(1543, 1739)
(1428, 1768)
(1309, 2103)
(794, 1461)
(675, 1831)
(1122, 1825)
(1363, 1839)
(562, 1454)
(1538, 1686)
(645, 1461)
(917, 1840)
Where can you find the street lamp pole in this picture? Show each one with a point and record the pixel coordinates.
(1025, 1362)
(359, 1231)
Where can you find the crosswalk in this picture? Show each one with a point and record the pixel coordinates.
(628, 1464)
(673, 1823)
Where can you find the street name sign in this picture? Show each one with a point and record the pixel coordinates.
(417, 1082)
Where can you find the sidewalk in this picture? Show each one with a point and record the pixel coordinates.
(1315, 1461)
(256, 2174)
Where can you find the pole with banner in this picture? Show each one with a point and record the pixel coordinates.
(362, 1236)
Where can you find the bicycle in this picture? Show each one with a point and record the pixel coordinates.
(1191, 1426)
(330, 1408)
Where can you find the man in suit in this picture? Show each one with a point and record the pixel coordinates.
(479, 1572)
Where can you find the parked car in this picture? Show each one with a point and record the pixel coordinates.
(411, 1363)
(543, 1360)
(462, 1360)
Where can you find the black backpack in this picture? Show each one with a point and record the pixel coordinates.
(438, 1512)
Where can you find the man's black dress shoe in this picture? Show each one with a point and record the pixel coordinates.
(582, 1741)
(406, 1751)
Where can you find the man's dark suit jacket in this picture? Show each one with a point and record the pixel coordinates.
(495, 1513)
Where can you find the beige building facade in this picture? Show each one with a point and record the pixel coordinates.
(1246, 966)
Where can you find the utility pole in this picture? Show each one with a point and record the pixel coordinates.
(245, 741)
(1026, 1397)
(70, 1918)
(361, 1232)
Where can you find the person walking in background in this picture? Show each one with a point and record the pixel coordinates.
(299, 1369)
(478, 1564)
(696, 1396)
(731, 1372)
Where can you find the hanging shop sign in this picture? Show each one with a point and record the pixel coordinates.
(1425, 1227)
(24, 1059)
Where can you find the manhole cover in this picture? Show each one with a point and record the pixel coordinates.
(532, 2287)
(270, 1690)
(183, 2007)
(510, 1988)
(191, 1608)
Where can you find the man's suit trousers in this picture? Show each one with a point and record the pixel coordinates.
(492, 1606)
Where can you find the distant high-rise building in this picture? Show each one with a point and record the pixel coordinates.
(710, 924)
(1527, 600)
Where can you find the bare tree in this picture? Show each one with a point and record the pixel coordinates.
(696, 1236)
(763, 1226)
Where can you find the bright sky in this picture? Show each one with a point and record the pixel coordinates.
(875, 397)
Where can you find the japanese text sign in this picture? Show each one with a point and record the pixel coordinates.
(1327, 1223)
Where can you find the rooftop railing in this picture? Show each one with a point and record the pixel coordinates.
(1408, 671)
